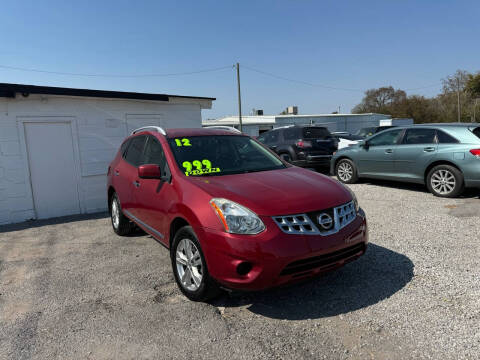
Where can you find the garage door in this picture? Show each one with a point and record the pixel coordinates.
(52, 169)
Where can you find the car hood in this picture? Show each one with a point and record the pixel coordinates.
(277, 192)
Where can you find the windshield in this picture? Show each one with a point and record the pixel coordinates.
(221, 155)
(365, 131)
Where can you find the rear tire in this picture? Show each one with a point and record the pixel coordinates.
(445, 181)
(346, 171)
(285, 157)
(120, 223)
(190, 268)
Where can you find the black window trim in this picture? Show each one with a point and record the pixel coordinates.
(167, 166)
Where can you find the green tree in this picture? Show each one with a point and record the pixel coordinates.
(384, 100)
(473, 85)
(441, 108)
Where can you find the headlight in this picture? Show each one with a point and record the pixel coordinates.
(354, 197)
(235, 218)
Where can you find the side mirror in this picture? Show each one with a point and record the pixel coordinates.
(364, 144)
(149, 171)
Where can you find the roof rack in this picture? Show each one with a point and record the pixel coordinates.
(150, 128)
(224, 127)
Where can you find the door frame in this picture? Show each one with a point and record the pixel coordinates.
(71, 120)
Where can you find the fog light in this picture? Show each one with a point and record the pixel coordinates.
(244, 268)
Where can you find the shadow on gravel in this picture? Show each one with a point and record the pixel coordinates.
(58, 220)
(467, 194)
(377, 275)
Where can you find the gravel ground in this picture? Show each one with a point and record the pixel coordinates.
(70, 288)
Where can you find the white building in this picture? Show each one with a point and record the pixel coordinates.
(56, 143)
(256, 124)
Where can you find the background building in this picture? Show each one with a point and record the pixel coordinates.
(256, 124)
(56, 143)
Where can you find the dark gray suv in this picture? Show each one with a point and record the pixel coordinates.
(302, 145)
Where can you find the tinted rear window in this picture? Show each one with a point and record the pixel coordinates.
(290, 134)
(315, 133)
(476, 131)
(444, 138)
(135, 150)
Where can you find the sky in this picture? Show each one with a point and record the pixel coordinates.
(332, 50)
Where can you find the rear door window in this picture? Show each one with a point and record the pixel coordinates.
(444, 138)
(419, 136)
(290, 134)
(315, 133)
(134, 154)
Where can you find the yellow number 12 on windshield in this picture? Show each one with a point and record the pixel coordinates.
(183, 142)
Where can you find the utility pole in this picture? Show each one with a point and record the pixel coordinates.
(474, 109)
(458, 98)
(239, 98)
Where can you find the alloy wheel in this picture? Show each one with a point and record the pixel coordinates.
(115, 213)
(189, 265)
(345, 171)
(443, 182)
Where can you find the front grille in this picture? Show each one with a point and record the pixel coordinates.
(322, 261)
(296, 224)
(323, 222)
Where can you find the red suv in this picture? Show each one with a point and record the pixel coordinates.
(232, 213)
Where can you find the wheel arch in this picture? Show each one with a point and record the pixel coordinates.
(436, 163)
(110, 192)
(342, 157)
(176, 225)
(287, 150)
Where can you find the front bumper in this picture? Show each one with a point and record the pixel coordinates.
(277, 258)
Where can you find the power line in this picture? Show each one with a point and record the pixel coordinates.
(300, 81)
(423, 87)
(192, 73)
(115, 75)
(324, 86)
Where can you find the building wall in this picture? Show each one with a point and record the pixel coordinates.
(350, 123)
(100, 125)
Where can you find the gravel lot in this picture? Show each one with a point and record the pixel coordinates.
(70, 288)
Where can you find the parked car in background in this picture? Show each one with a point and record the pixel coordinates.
(346, 139)
(369, 131)
(301, 145)
(445, 157)
(232, 213)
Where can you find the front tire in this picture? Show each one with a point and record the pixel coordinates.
(445, 181)
(120, 223)
(190, 268)
(346, 171)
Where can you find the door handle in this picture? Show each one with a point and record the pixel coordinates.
(136, 184)
(274, 147)
(117, 173)
(389, 151)
(429, 149)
